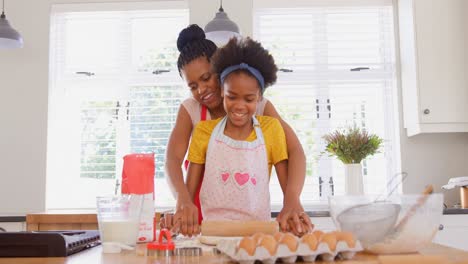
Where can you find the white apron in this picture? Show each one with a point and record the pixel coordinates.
(236, 181)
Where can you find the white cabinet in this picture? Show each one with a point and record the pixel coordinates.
(433, 40)
(454, 233)
(13, 226)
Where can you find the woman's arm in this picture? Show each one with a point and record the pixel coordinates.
(175, 153)
(293, 182)
(194, 177)
(187, 215)
(281, 169)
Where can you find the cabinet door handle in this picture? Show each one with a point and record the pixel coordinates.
(441, 227)
(426, 111)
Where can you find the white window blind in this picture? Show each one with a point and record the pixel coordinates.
(337, 69)
(114, 90)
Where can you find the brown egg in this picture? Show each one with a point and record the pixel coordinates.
(278, 236)
(248, 244)
(347, 237)
(330, 239)
(269, 243)
(257, 237)
(310, 240)
(318, 234)
(290, 241)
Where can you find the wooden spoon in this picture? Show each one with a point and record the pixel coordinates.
(420, 202)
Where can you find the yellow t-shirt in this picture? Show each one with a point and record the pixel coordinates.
(273, 133)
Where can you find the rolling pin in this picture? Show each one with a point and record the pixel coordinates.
(238, 228)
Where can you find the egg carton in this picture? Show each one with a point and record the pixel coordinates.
(322, 252)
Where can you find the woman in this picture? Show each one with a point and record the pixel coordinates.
(195, 69)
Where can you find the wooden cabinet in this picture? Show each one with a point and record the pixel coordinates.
(69, 220)
(454, 232)
(433, 40)
(65, 220)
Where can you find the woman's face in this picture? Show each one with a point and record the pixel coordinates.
(203, 84)
(241, 94)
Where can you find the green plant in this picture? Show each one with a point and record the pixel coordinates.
(352, 144)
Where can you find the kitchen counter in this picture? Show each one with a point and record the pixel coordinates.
(450, 211)
(320, 213)
(86, 219)
(434, 253)
(326, 213)
(12, 218)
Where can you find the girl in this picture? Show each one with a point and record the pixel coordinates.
(235, 153)
(194, 67)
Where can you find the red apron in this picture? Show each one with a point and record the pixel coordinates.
(196, 198)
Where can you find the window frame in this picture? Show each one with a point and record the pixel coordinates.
(58, 172)
(392, 152)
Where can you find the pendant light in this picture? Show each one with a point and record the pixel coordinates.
(221, 28)
(9, 37)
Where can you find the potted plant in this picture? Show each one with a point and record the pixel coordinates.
(351, 145)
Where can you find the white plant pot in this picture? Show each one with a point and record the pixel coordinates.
(353, 179)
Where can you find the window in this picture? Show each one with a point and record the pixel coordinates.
(337, 68)
(114, 90)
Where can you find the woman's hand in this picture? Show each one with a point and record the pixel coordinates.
(185, 220)
(292, 218)
(167, 220)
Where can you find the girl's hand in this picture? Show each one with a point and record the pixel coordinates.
(185, 219)
(292, 218)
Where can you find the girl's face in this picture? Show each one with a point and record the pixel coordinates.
(203, 84)
(241, 94)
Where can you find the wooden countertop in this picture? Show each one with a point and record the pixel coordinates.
(59, 216)
(62, 220)
(434, 253)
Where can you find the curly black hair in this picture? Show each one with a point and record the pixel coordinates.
(249, 51)
(192, 44)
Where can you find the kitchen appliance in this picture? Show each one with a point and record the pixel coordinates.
(461, 182)
(47, 243)
(138, 179)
